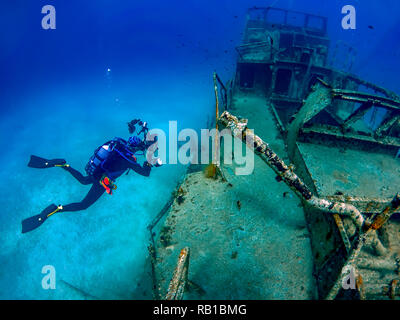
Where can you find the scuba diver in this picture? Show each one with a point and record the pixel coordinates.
(108, 162)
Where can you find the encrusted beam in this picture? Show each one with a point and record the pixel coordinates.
(335, 132)
(343, 233)
(362, 97)
(370, 85)
(358, 114)
(239, 129)
(387, 124)
(364, 236)
(391, 290)
(363, 204)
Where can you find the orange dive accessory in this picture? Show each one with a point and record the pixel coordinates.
(108, 184)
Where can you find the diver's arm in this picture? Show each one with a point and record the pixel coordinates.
(142, 170)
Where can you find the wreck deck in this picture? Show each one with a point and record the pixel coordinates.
(258, 248)
(354, 172)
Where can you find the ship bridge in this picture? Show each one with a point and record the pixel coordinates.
(273, 34)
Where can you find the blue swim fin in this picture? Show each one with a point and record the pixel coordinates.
(41, 163)
(34, 222)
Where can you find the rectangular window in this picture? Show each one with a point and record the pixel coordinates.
(296, 19)
(282, 83)
(286, 40)
(305, 57)
(267, 78)
(300, 40)
(247, 76)
(316, 23)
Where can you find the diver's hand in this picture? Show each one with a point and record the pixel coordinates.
(157, 162)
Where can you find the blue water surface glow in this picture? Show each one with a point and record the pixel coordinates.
(64, 92)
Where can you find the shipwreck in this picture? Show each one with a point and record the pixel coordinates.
(318, 218)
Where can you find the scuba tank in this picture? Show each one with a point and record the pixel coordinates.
(97, 163)
(96, 167)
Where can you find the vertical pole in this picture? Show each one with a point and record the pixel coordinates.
(216, 155)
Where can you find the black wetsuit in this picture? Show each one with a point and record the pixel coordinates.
(118, 165)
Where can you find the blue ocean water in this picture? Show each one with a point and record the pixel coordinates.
(66, 91)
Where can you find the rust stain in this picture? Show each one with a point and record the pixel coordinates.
(393, 289)
(360, 287)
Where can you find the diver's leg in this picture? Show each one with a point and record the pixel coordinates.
(94, 193)
(33, 222)
(79, 176)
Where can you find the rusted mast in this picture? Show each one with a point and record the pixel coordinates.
(216, 154)
(214, 169)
